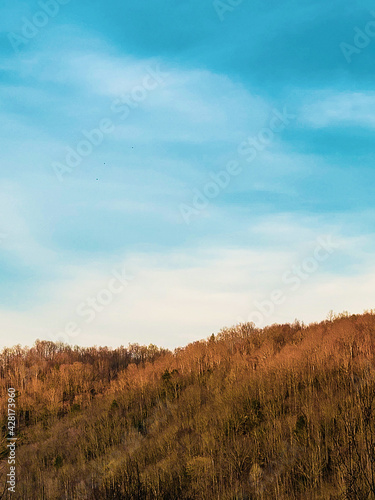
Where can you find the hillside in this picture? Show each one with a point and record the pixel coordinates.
(284, 412)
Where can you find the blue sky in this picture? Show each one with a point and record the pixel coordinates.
(200, 149)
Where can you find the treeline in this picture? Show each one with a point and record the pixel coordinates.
(284, 412)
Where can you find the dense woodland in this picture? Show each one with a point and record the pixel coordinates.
(284, 412)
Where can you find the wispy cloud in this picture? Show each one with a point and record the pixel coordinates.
(218, 87)
(329, 108)
(176, 296)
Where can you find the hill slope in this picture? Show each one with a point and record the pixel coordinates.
(286, 412)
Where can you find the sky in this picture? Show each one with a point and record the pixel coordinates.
(173, 168)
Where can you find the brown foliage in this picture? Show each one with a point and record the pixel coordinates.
(287, 412)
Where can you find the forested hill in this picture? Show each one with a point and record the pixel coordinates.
(284, 412)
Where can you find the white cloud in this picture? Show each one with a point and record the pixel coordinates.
(200, 101)
(179, 296)
(326, 108)
(182, 294)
